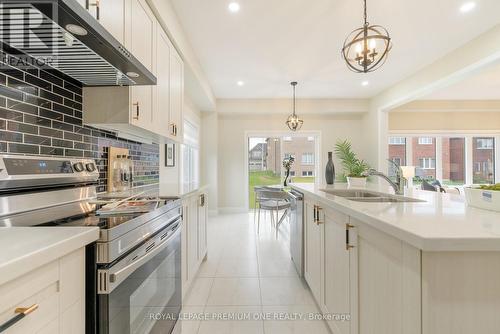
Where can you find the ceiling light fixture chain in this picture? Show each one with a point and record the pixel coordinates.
(293, 121)
(366, 49)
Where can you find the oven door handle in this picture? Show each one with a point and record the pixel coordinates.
(117, 277)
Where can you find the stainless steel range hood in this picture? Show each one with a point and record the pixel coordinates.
(61, 34)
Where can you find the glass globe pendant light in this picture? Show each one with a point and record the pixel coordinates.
(293, 121)
(366, 48)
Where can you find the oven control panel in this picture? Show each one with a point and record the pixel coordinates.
(21, 171)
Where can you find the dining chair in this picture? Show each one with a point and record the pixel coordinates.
(273, 201)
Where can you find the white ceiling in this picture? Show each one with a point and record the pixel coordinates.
(483, 86)
(269, 43)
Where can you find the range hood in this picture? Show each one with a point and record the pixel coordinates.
(62, 35)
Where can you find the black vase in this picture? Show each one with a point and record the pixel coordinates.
(330, 170)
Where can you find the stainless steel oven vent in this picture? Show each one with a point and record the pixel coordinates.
(64, 36)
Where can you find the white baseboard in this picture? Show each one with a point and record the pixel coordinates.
(233, 210)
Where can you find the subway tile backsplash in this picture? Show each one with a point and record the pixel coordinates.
(41, 114)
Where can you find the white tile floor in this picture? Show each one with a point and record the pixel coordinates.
(248, 275)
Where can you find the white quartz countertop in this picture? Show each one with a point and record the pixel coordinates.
(443, 222)
(23, 249)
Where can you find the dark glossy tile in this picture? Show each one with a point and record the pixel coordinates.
(73, 136)
(2, 124)
(37, 82)
(23, 148)
(36, 120)
(73, 120)
(73, 104)
(11, 93)
(47, 150)
(50, 132)
(83, 131)
(73, 88)
(11, 136)
(63, 109)
(50, 96)
(22, 86)
(50, 114)
(32, 139)
(3, 147)
(22, 127)
(62, 126)
(51, 78)
(10, 114)
(78, 98)
(38, 101)
(62, 143)
(11, 71)
(82, 146)
(73, 153)
(19, 106)
(63, 92)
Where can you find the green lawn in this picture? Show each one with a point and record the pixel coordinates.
(268, 178)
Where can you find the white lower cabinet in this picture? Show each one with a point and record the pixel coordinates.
(57, 288)
(194, 238)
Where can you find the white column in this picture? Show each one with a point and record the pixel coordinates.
(409, 152)
(439, 159)
(468, 160)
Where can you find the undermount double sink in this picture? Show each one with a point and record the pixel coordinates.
(359, 195)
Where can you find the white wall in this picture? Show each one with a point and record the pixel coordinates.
(209, 158)
(232, 130)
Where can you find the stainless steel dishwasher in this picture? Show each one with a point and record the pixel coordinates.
(297, 230)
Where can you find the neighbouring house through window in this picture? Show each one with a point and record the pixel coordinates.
(425, 140)
(308, 158)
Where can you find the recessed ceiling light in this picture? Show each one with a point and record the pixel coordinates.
(467, 7)
(234, 7)
(240, 83)
(76, 29)
(365, 83)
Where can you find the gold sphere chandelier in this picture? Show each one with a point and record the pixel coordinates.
(366, 48)
(293, 121)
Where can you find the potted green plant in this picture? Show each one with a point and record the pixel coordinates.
(355, 169)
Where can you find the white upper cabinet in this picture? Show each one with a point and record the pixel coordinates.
(143, 111)
(176, 95)
(161, 93)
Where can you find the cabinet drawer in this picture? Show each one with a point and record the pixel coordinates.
(41, 287)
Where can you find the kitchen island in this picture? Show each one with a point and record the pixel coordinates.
(430, 266)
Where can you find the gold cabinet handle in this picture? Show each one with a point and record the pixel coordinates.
(96, 5)
(318, 220)
(136, 105)
(21, 312)
(348, 246)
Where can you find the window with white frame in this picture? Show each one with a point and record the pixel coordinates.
(397, 141)
(292, 173)
(307, 173)
(287, 138)
(310, 138)
(425, 140)
(190, 169)
(427, 163)
(288, 155)
(308, 158)
(485, 143)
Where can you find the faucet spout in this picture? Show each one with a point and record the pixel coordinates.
(397, 186)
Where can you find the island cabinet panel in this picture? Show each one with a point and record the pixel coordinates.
(389, 283)
(313, 249)
(340, 255)
(461, 292)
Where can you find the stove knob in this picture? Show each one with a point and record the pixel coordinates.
(78, 167)
(90, 167)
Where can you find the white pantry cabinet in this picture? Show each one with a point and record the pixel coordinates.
(57, 289)
(109, 13)
(194, 238)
